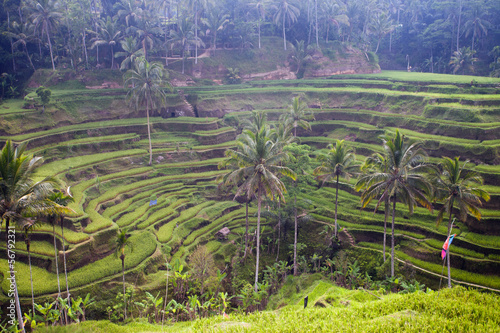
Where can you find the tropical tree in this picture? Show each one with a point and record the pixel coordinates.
(20, 198)
(197, 6)
(285, 10)
(260, 8)
(457, 187)
(380, 26)
(22, 33)
(45, 17)
(339, 162)
(122, 242)
(215, 21)
(463, 59)
(109, 34)
(147, 87)
(131, 51)
(183, 37)
(477, 25)
(147, 33)
(374, 164)
(406, 179)
(258, 160)
(297, 115)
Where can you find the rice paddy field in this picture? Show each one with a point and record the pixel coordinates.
(96, 145)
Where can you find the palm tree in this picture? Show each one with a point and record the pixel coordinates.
(463, 59)
(131, 51)
(285, 11)
(62, 200)
(258, 161)
(45, 16)
(197, 6)
(340, 161)
(20, 196)
(477, 25)
(297, 115)
(406, 179)
(129, 10)
(260, 7)
(22, 33)
(374, 164)
(215, 21)
(183, 37)
(147, 87)
(147, 33)
(457, 186)
(122, 242)
(108, 35)
(381, 26)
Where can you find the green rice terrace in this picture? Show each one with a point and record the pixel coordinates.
(174, 212)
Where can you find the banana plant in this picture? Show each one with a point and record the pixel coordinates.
(49, 315)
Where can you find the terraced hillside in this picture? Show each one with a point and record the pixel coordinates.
(94, 143)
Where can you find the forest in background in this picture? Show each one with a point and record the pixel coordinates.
(451, 36)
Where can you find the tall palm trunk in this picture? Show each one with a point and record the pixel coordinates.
(284, 34)
(317, 33)
(448, 251)
(122, 257)
(50, 49)
(56, 255)
(386, 214)
(259, 203)
(28, 56)
(28, 243)
(336, 203)
(149, 133)
(196, 33)
(392, 239)
(295, 263)
(258, 26)
(64, 257)
(246, 230)
(279, 228)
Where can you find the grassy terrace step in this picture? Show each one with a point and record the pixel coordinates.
(165, 232)
(163, 214)
(99, 222)
(36, 247)
(124, 125)
(95, 140)
(45, 282)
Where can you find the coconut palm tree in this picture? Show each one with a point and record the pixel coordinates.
(148, 83)
(20, 196)
(285, 11)
(131, 51)
(297, 115)
(183, 37)
(45, 16)
(147, 33)
(463, 59)
(339, 162)
(260, 8)
(22, 33)
(258, 161)
(458, 187)
(374, 164)
(406, 179)
(122, 242)
(197, 6)
(215, 21)
(109, 34)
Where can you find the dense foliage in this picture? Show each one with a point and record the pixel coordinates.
(435, 36)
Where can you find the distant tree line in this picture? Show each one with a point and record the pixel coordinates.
(424, 35)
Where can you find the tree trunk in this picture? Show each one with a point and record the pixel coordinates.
(149, 133)
(196, 33)
(392, 239)
(387, 207)
(246, 230)
(165, 303)
(259, 29)
(459, 22)
(28, 55)
(56, 254)
(295, 263)
(112, 57)
(317, 33)
(64, 257)
(50, 49)
(259, 203)
(448, 251)
(336, 203)
(31, 275)
(122, 257)
(284, 33)
(279, 228)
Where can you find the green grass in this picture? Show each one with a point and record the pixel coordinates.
(144, 245)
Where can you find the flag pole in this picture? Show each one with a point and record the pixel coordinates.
(444, 261)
